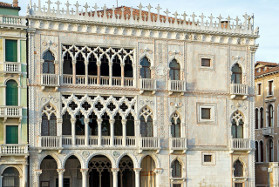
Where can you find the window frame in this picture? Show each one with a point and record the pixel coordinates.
(212, 154)
(18, 133)
(17, 47)
(270, 90)
(207, 56)
(259, 89)
(212, 108)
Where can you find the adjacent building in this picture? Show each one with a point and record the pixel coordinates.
(13, 94)
(266, 123)
(127, 97)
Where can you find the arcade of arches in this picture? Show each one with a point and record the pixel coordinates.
(99, 173)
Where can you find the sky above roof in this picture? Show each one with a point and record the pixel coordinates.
(266, 14)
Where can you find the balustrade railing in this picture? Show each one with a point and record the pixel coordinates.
(93, 140)
(10, 111)
(178, 143)
(130, 141)
(12, 20)
(67, 79)
(66, 140)
(177, 86)
(148, 84)
(50, 141)
(13, 149)
(241, 144)
(239, 89)
(149, 143)
(80, 140)
(49, 80)
(128, 82)
(105, 141)
(80, 79)
(104, 80)
(116, 81)
(117, 141)
(92, 80)
(12, 67)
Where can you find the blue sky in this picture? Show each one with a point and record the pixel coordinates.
(266, 15)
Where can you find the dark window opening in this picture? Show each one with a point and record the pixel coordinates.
(116, 67)
(145, 71)
(205, 113)
(80, 126)
(207, 158)
(105, 125)
(66, 124)
(205, 62)
(48, 65)
(93, 125)
(92, 65)
(118, 125)
(130, 129)
(80, 66)
(236, 77)
(128, 68)
(67, 65)
(104, 66)
(174, 70)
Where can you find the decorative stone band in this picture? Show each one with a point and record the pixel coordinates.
(140, 17)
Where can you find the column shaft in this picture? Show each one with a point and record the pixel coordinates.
(84, 173)
(73, 122)
(137, 177)
(99, 132)
(86, 140)
(111, 122)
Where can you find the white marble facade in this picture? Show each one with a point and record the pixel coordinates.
(113, 98)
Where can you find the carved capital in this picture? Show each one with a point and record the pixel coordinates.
(124, 121)
(137, 170)
(73, 120)
(86, 120)
(59, 120)
(84, 170)
(158, 170)
(99, 121)
(114, 170)
(38, 172)
(60, 171)
(111, 121)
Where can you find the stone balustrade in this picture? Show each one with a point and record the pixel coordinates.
(13, 149)
(49, 80)
(12, 20)
(239, 89)
(240, 144)
(177, 86)
(12, 67)
(10, 111)
(178, 144)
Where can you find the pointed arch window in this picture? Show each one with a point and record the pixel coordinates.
(66, 124)
(105, 125)
(238, 169)
(128, 68)
(270, 150)
(261, 151)
(270, 114)
(48, 65)
(80, 126)
(175, 126)
(116, 67)
(257, 152)
(236, 77)
(118, 125)
(145, 71)
(256, 118)
(237, 125)
(80, 65)
(146, 122)
(11, 93)
(67, 64)
(130, 125)
(174, 70)
(104, 66)
(48, 125)
(176, 169)
(261, 118)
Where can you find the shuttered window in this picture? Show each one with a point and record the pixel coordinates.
(11, 134)
(11, 50)
(11, 93)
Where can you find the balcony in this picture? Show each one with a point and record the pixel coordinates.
(178, 144)
(268, 131)
(148, 85)
(149, 143)
(12, 67)
(13, 150)
(10, 112)
(50, 143)
(177, 86)
(239, 90)
(9, 20)
(240, 144)
(50, 80)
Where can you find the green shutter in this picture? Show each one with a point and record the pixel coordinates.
(11, 50)
(11, 93)
(11, 135)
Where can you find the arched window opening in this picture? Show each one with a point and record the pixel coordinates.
(105, 125)
(66, 124)
(67, 64)
(130, 125)
(80, 66)
(72, 168)
(270, 150)
(236, 77)
(104, 66)
(270, 115)
(117, 125)
(261, 152)
(256, 118)
(146, 123)
(174, 70)
(92, 66)
(116, 67)
(48, 65)
(48, 125)
(176, 169)
(11, 93)
(49, 171)
(128, 68)
(126, 176)
(10, 177)
(147, 174)
(238, 169)
(93, 125)
(257, 152)
(261, 117)
(175, 126)
(145, 71)
(237, 125)
(80, 126)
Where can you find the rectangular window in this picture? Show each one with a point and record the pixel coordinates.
(11, 50)
(205, 62)
(270, 87)
(176, 185)
(238, 185)
(205, 113)
(11, 134)
(207, 158)
(259, 89)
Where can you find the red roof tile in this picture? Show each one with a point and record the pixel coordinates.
(2, 4)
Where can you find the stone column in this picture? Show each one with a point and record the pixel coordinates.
(122, 73)
(73, 122)
(59, 130)
(111, 122)
(115, 177)
(25, 175)
(99, 121)
(137, 177)
(37, 177)
(84, 173)
(124, 121)
(137, 133)
(98, 73)
(74, 71)
(110, 73)
(60, 177)
(86, 72)
(86, 137)
(158, 172)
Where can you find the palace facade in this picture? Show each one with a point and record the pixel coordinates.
(127, 97)
(13, 93)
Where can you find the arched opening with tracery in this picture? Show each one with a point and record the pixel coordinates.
(66, 125)
(146, 122)
(238, 169)
(174, 70)
(145, 71)
(128, 67)
(236, 76)
(100, 172)
(48, 64)
(10, 177)
(49, 171)
(126, 175)
(49, 124)
(67, 64)
(175, 126)
(147, 173)
(72, 174)
(118, 125)
(176, 169)
(80, 126)
(237, 125)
